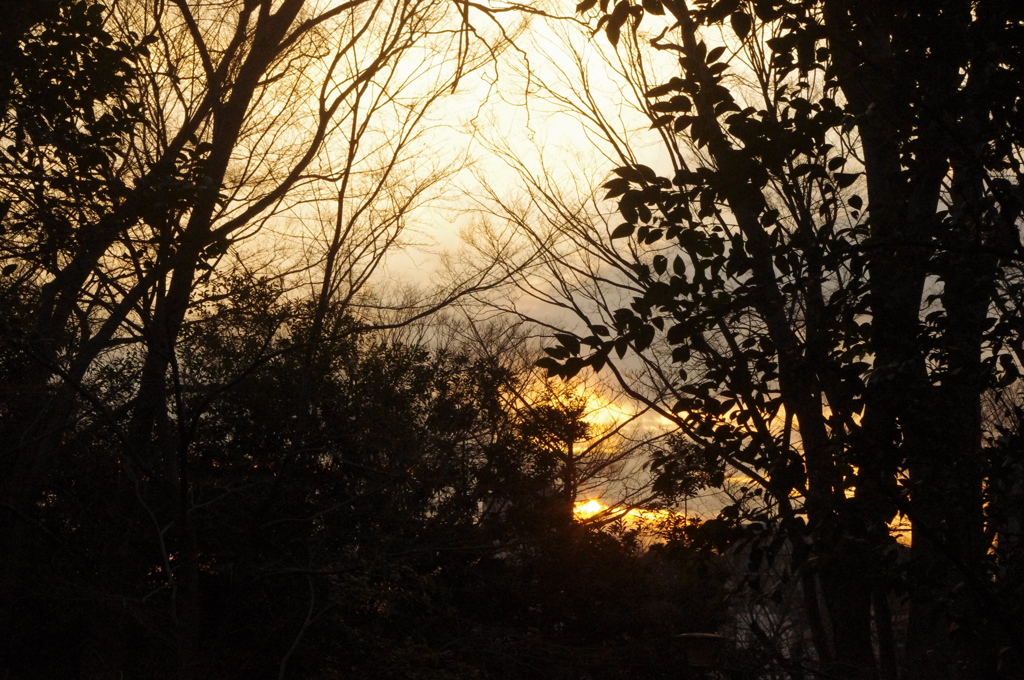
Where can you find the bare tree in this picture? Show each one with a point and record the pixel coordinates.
(192, 134)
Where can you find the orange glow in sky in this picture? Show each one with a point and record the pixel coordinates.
(584, 510)
(587, 509)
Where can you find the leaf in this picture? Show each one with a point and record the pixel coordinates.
(660, 121)
(616, 186)
(701, 51)
(647, 174)
(836, 163)
(612, 31)
(628, 173)
(726, 106)
(623, 230)
(681, 354)
(552, 366)
(654, 6)
(615, 22)
(660, 264)
(573, 366)
(678, 334)
(855, 202)
(662, 90)
(803, 169)
(741, 24)
(1010, 372)
(682, 405)
(628, 210)
(682, 122)
(845, 179)
(585, 6)
(570, 342)
(644, 338)
(557, 352)
(621, 347)
(679, 266)
(769, 217)
(682, 102)
(623, 318)
(715, 54)
(643, 212)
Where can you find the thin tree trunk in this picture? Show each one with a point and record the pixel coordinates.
(888, 668)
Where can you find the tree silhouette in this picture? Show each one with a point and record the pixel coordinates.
(821, 292)
(145, 144)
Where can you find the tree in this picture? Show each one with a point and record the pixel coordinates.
(146, 145)
(820, 291)
(593, 449)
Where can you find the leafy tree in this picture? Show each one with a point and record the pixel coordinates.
(821, 291)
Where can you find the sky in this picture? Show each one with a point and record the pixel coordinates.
(517, 110)
(549, 105)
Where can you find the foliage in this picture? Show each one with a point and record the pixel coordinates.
(823, 290)
(217, 462)
(219, 467)
(415, 536)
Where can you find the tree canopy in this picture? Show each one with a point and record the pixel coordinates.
(825, 296)
(227, 452)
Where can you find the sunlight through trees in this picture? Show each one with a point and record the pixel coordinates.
(723, 378)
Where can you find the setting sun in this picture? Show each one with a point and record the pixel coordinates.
(584, 510)
(499, 340)
(587, 509)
